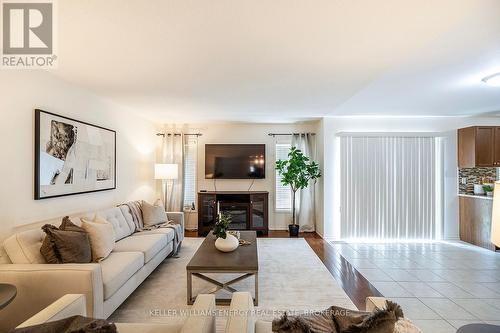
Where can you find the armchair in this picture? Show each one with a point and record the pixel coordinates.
(74, 304)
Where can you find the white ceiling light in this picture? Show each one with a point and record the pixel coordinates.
(493, 80)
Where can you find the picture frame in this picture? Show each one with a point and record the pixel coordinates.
(72, 157)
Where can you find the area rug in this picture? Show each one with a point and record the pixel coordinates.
(291, 277)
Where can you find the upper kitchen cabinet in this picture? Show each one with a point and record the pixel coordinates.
(479, 146)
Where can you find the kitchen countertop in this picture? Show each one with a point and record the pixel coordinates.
(474, 196)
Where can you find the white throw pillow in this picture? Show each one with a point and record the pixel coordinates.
(153, 214)
(102, 237)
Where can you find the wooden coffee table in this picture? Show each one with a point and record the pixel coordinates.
(208, 259)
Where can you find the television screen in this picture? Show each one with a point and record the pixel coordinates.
(235, 161)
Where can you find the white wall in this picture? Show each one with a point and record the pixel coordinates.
(244, 133)
(21, 93)
(447, 127)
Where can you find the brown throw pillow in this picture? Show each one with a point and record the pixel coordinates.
(67, 244)
(48, 249)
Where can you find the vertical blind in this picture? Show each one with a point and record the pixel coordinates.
(390, 187)
(190, 160)
(283, 193)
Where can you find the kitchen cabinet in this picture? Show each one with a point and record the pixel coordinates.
(475, 221)
(479, 146)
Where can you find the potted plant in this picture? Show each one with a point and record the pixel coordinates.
(225, 242)
(297, 172)
(488, 189)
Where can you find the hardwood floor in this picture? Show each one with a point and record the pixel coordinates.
(354, 284)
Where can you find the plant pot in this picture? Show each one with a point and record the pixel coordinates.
(228, 244)
(293, 230)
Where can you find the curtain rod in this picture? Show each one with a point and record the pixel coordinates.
(178, 134)
(281, 134)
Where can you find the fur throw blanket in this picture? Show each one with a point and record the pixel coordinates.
(75, 324)
(340, 320)
(135, 208)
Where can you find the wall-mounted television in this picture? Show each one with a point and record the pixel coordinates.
(235, 161)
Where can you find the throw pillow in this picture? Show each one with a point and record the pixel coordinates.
(67, 244)
(153, 214)
(102, 237)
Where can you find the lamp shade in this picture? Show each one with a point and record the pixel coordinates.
(166, 171)
(495, 217)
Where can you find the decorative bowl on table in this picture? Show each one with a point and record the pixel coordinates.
(228, 244)
(226, 241)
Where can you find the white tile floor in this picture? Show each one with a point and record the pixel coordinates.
(441, 286)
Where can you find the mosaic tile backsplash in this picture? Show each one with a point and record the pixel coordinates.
(474, 176)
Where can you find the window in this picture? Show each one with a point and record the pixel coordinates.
(390, 187)
(283, 199)
(190, 161)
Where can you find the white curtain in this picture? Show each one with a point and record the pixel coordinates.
(173, 152)
(305, 198)
(390, 187)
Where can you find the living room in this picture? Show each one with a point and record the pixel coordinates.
(190, 166)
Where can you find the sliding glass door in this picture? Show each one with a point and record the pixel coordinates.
(390, 187)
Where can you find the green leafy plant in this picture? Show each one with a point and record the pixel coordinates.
(221, 225)
(297, 172)
(488, 188)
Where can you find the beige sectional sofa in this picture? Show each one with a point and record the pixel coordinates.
(105, 284)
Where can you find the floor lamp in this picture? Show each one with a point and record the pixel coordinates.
(495, 217)
(167, 173)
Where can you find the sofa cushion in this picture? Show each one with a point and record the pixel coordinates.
(127, 214)
(24, 247)
(168, 232)
(121, 226)
(117, 268)
(153, 214)
(149, 245)
(102, 237)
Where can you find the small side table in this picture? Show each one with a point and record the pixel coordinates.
(479, 328)
(7, 294)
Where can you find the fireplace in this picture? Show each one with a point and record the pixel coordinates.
(239, 213)
(248, 210)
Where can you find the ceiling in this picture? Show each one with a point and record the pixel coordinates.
(283, 60)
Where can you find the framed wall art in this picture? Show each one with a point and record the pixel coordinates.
(72, 157)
